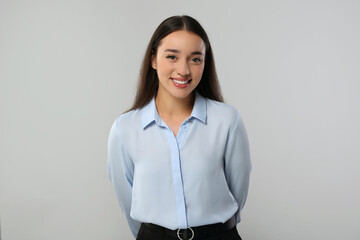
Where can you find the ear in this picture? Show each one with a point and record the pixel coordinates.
(153, 61)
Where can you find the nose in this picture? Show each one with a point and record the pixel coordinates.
(183, 68)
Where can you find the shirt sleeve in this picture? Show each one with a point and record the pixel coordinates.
(237, 164)
(120, 170)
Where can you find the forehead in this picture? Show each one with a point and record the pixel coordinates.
(184, 41)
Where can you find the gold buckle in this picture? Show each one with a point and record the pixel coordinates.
(192, 233)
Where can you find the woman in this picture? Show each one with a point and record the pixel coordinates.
(179, 158)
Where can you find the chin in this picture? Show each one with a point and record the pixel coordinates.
(182, 95)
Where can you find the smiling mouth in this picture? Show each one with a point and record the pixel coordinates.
(181, 82)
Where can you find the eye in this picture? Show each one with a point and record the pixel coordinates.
(171, 57)
(196, 60)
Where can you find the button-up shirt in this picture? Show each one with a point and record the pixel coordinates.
(198, 177)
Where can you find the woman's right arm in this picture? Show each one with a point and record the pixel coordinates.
(121, 170)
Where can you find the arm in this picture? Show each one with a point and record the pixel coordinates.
(120, 170)
(238, 164)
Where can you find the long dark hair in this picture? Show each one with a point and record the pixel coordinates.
(149, 83)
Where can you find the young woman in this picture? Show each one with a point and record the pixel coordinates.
(179, 158)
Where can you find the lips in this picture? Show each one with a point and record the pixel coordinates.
(180, 82)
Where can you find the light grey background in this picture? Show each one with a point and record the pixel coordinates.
(69, 68)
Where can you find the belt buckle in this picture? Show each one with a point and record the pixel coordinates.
(192, 234)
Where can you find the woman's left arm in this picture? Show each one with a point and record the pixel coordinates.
(238, 164)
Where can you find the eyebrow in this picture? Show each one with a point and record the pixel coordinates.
(177, 51)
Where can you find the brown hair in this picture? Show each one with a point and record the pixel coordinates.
(148, 82)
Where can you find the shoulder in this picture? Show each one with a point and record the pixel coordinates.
(226, 116)
(224, 112)
(127, 122)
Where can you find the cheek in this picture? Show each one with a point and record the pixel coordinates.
(164, 67)
(198, 71)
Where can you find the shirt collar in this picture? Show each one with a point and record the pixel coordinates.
(199, 109)
(150, 114)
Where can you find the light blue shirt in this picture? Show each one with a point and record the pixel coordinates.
(199, 177)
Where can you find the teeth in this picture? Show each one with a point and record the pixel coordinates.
(180, 82)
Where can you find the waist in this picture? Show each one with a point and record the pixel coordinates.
(193, 233)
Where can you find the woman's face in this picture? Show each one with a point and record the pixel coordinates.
(179, 63)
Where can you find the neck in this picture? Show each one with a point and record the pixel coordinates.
(174, 107)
